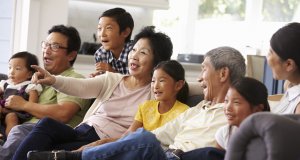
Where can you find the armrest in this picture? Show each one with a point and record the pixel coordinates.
(275, 135)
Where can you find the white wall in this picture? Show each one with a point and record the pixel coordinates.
(6, 8)
(33, 19)
(84, 16)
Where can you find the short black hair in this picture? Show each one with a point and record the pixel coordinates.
(122, 17)
(175, 70)
(254, 91)
(286, 42)
(73, 36)
(160, 43)
(29, 58)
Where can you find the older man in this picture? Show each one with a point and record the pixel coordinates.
(59, 54)
(193, 129)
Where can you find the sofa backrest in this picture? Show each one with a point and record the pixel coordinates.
(3, 76)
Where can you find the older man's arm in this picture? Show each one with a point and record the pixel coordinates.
(62, 111)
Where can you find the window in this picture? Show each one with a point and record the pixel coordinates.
(6, 7)
(280, 10)
(222, 9)
(196, 26)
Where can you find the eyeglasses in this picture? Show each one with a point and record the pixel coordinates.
(53, 46)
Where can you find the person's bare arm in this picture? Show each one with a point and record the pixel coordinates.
(219, 147)
(62, 111)
(297, 111)
(133, 127)
(97, 143)
(33, 96)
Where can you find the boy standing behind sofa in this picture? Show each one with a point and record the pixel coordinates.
(114, 31)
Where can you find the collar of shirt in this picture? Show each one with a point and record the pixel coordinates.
(11, 85)
(106, 55)
(293, 92)
(207, 105)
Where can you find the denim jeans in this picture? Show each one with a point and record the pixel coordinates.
(143, 145)
(207, 153)
(49, 134)
(14, 139)
(139, 145)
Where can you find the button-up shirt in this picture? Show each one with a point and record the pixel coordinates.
(121, 64)
(195, 128)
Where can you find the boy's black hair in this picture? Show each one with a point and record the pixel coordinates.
(73, 36)
(122, 17)
(29, 58)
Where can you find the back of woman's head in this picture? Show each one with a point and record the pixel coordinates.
(175, 70)
(253, 91)
(285, 42)
(160, 43)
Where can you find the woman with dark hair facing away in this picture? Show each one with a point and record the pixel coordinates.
(18, 83)
(117, 98)
(284, 60)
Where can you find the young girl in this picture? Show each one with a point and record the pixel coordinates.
(245, 97)
(18, 83)
(170, 91)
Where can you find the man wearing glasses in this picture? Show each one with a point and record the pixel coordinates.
(59, 54)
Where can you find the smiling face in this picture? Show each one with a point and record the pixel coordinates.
(58, 61)
(237, 108)
(209, 80)
(17, 71)
(164, 87)
(140, 59)
(110, 36)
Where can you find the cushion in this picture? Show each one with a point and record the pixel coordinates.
(266, 136)
(3, 76)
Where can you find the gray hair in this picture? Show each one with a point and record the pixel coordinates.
(228, 57)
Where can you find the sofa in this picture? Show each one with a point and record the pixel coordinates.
(266, 136)
(3, 76)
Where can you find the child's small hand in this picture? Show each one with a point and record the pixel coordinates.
(94, 74)
(103, 67)
(16, 103)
